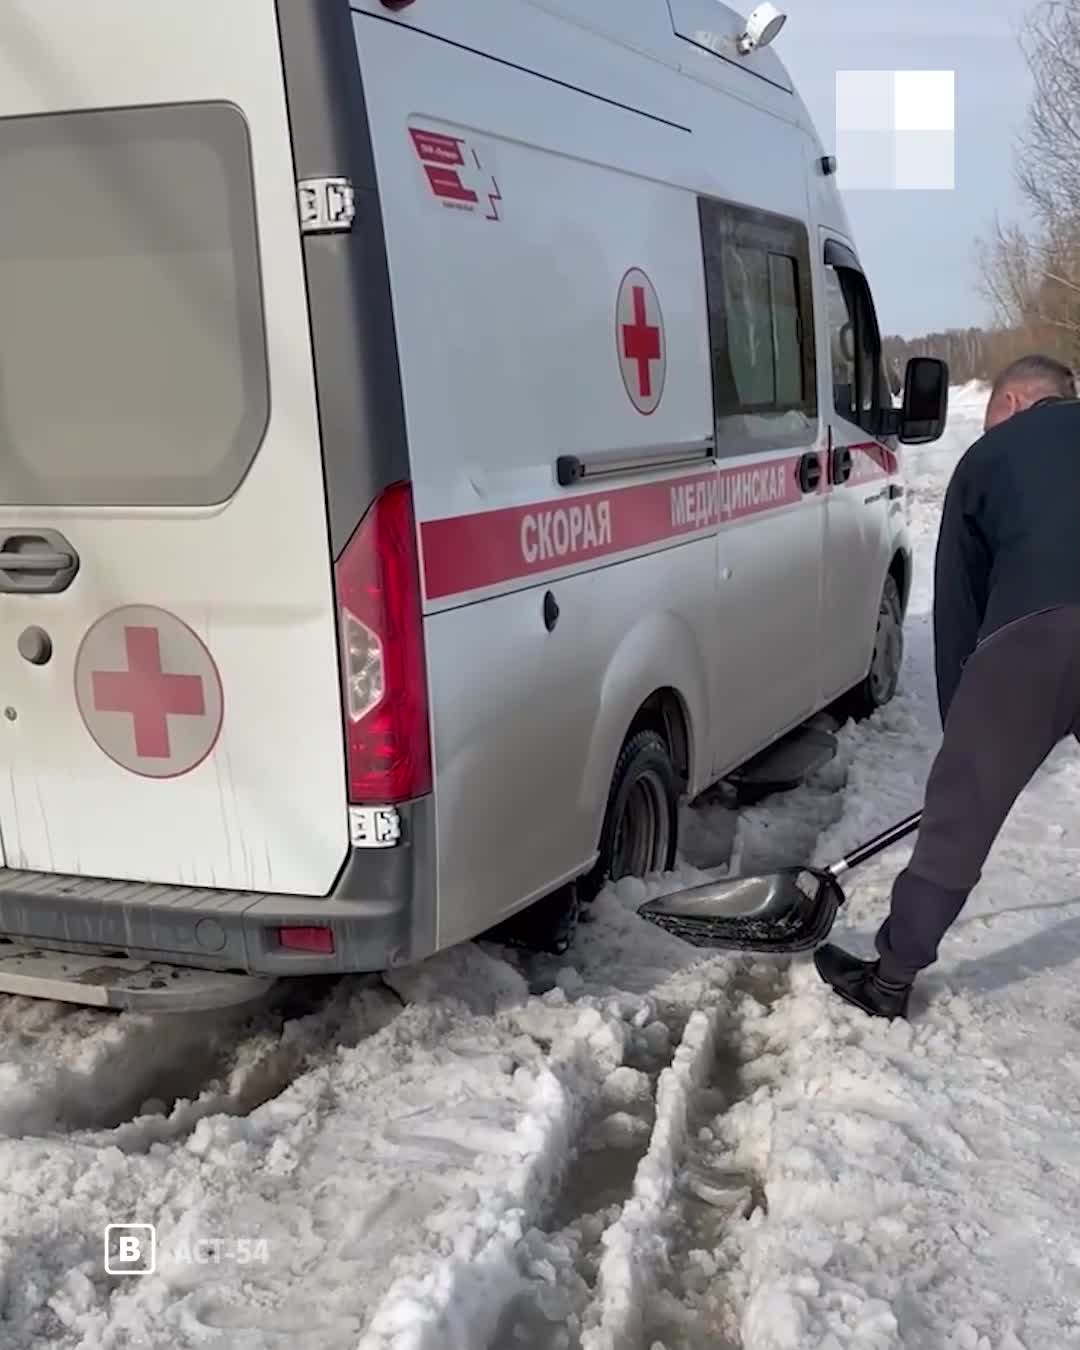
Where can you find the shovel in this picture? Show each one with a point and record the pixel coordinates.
(790, 910)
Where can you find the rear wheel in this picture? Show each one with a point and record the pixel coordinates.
(548, 925)
(640, 834)
(879, 685)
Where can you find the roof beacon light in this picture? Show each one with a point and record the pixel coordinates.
(761, 28)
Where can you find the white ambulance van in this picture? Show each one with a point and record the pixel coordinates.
(435, 439)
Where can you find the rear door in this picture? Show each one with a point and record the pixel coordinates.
(168, 662)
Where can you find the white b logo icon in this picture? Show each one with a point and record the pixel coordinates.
(130, 1249)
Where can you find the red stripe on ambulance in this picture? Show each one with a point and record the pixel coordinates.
(565, 531)
(472, 552)
(731, 494)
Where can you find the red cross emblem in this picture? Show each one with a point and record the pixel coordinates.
(642, 347)
(148, 691)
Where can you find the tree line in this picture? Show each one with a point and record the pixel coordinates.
(972, 353)
(1029, 275)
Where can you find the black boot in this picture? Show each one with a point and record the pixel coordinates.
(858, 983)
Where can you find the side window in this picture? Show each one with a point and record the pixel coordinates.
(860, 385)
(761, 328)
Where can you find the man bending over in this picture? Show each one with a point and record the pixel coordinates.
(1007, 655)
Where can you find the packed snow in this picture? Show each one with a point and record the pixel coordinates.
(636, 1146)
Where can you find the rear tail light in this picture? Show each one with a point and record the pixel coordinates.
(384, 676)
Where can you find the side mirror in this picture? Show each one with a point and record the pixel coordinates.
(926, 400)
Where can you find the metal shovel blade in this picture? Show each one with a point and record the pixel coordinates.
(787, 911)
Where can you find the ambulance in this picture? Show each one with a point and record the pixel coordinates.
(436, 441)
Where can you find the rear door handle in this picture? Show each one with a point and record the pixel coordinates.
(809, 471)
(841, 464)
(36, 562)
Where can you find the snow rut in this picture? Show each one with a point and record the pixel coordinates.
(633, 1244)
(628, 1254)
(145, 1079)
(639, 1244)
(561, 1254)
(698, 1289)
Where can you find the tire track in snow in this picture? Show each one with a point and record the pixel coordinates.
(629, 1266)
(615, 1242)
(378, 1161)
(560, 1254)
(234, 1077)
(457, 1303)
(144, 1078)
(642, 1178)
(697, 1292)
(674, 1195)
(667, 1276)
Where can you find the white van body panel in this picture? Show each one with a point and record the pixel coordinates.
(506, 313)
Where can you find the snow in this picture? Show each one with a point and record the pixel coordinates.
(635, 1146)
(627, 1269)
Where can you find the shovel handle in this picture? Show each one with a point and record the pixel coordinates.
(878, 844)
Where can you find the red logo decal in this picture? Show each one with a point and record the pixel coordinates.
(455, 173)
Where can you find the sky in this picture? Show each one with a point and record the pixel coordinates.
(918, 247)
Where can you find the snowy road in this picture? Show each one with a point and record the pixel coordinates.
(626, 1149)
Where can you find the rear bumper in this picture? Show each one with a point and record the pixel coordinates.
(381, 914)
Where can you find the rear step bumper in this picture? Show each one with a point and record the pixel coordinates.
(216, 930)
(123, 984)
(390, 923)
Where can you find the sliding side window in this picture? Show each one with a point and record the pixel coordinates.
(761, 328)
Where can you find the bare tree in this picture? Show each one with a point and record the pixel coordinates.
(1049, 168)
(1031, 278)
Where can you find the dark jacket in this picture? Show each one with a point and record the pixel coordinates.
(1009, 543)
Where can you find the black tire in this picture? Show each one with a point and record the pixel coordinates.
(640, 834)
(878, 686)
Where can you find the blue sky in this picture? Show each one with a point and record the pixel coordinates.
(918, 247)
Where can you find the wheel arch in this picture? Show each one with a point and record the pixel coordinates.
(657, 679)
(900, 569)
(664, 711)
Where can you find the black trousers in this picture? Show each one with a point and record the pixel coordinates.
(1018, 697)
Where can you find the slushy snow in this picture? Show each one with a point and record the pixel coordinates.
(635, 1146)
